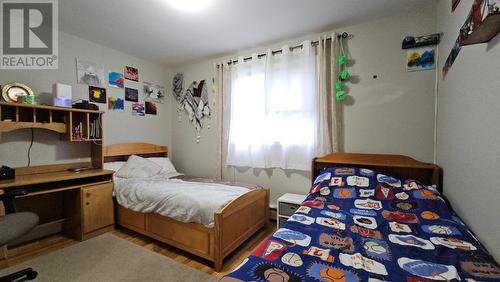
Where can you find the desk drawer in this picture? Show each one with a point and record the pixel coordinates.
(97, 206)
(287, 209)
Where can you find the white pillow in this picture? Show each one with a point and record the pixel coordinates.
(114, 166)
(165, 163)
(137, 167)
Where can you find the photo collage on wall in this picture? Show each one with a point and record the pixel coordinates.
(94, 76)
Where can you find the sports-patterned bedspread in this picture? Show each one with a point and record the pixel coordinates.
(358, 225)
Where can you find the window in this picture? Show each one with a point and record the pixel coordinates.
(274, 110)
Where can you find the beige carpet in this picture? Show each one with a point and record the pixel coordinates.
(108, 258)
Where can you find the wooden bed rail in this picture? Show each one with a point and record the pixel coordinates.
(238, 220)
(397, 165)
(119, 152)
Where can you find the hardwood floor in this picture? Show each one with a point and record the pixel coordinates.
(55, 242)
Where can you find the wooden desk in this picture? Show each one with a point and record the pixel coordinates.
(78, 204)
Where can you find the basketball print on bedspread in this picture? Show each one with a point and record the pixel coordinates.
(344, 193)
(327, 273)
(271, 272)
(292, 259)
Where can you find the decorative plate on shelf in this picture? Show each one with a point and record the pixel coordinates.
(13, 91)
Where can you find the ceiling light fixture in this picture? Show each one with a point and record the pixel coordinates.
(190, 5)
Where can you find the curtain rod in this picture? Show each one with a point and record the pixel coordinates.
(313, 43)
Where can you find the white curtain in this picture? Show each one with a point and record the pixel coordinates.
(222, 110)
(277, 116)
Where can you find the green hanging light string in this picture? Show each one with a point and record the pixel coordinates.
(340, 94)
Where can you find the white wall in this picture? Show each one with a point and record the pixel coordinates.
(119, 126)
(391, 114)
(469, 133)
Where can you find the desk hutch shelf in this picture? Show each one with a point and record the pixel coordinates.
(75, 125)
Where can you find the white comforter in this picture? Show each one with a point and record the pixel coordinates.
(181, 200)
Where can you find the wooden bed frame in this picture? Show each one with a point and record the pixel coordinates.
(233, 224)
(396, 165)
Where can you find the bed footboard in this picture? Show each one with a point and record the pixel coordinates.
(238, 221)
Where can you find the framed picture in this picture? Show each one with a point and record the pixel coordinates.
(89, 73)
(97, 94)
(153, 92)
(115, 104)
(138, 109)
(421, 59)
(131, 73)
(151, 108)
(131, 94)
(115, 79)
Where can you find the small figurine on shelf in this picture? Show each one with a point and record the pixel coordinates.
(77, 131)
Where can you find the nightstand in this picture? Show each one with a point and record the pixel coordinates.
(287, 205)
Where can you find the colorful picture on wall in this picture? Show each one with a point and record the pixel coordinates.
(115, 104)
(151, 108)
(138, 109)
(131, 94)
(452, 57)
(89, 73)
(420, 59)
(454, 4)
(153, 92)
(115, 79)
(131, 73)
(97, 94)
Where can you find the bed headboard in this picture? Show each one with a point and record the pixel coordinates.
(121, 152)
(396, 165)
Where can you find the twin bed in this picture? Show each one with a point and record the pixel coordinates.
(213, 239)
(371, 218)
